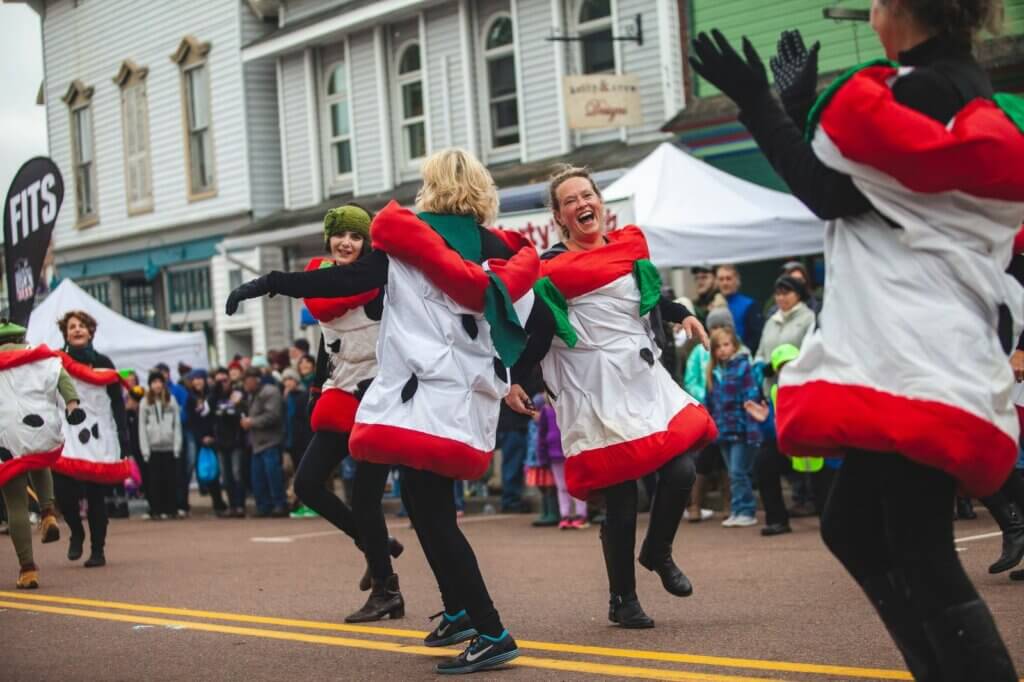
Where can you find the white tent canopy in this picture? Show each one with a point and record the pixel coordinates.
(695, 214)
(129, 344)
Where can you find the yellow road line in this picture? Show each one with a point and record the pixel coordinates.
(390, 647)
(579, 649)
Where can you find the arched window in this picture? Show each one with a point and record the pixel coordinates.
(500, 60)
(339, 125)
(410, 95)
(594, 26)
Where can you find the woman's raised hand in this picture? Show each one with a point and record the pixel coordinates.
(251, 289)
(795, 67)
(742, 81)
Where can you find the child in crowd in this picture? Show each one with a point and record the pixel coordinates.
(731, 383)
(573, 512)
(160, 439)
(538, 472)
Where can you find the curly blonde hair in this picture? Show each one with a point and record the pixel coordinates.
(456, 183)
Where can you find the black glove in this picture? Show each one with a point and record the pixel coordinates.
(76, 416)
(744, 82)
(795, 67)
(251, 289)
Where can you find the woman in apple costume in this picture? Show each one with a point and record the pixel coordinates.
(31, 379)
(622, 415)
(915, 167)
(93, 457)
(346, 364)
(455, 295)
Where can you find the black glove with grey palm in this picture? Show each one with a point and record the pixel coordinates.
(744, 81)
(252, 289)
(796, 74)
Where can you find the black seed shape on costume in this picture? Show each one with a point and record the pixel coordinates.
(469, 324)
(361, 388)
(5, 455)
(335, 345)
(499, 369)
(647, 355)
(84, 436)
(410, 388)
(95, 430)
(551, 394)
(33, 420)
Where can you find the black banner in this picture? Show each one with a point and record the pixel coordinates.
(30, 212)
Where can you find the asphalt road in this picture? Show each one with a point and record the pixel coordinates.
(210, 599)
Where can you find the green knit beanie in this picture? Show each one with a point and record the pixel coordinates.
(347, 218)
(11, 332)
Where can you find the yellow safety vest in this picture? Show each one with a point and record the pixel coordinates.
(804, 465)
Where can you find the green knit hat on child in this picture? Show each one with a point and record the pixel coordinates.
(11, 332)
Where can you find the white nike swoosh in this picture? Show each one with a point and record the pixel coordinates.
(443, 629)
(471, 657)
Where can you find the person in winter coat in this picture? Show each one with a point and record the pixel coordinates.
(227, 400)
(265, 424)
(572, 511)
(199, 423)
(160, 437)
(908, 163)
(790, 322)
(746, 313)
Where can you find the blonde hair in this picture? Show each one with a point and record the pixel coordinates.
(456, 183)
(719, 336)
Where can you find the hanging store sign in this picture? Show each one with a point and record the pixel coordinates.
(602, 101)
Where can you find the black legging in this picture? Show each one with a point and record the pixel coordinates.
(431, 505)
(618, 533)
(887, 515)
(771, 465)
(67, 492)
(364, 523)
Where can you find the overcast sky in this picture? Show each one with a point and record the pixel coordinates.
(22, 122)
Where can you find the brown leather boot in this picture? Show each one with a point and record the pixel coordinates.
(48, 527)
(28, 578)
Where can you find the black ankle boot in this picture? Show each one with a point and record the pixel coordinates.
(395, 549)
(904, 627)
(968, 645)
(1008, 517)
(672, 579)
(627, 612)
(965, 509)
(96, 559)
(385, 601)
(75, 548)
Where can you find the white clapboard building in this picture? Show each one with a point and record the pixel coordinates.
(203, 141)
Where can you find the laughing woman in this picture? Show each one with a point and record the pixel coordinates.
(909, 163)
(622, 415)
(449, 329)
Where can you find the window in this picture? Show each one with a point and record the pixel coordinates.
(191, 57)
(135, 129)
(410, 92)
(189, 290)
(83, 159)
(137, 302)
(499, 56)
(98, 290)
(594, 26)
(338, 120)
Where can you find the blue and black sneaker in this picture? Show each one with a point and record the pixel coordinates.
(483, 653)
(451, 630)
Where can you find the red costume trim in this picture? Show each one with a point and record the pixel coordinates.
(691, 429)
(94, 472)
(98, 376)
(980, 155)
(10, 359)
(826, 418)
(576, 273)
(386, 444)
(398, 232)
(25, 463)
(335, 411)
(327, 309)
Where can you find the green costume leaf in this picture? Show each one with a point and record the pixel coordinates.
(1012, 106)
(546, 291)
(649, 282)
